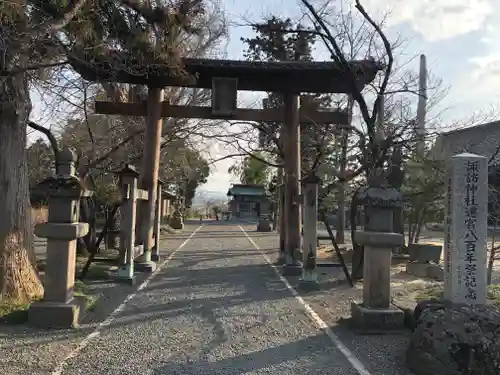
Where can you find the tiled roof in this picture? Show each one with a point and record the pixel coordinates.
(240, 189)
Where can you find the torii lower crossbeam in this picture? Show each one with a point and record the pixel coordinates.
(241, 114)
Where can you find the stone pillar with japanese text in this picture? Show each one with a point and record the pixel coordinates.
(466, 230)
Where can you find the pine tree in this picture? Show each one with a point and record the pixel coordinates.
(36, 35)
(284, 40)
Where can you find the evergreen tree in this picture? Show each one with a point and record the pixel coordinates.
(284, 40)
(37, 35)
(252, 171)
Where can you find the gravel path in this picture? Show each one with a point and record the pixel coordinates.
(25, 350)
(216, 308)
(381, 354)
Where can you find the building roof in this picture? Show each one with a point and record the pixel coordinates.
(242, 189)
(276, 76)
(168, 195)
(483, 139)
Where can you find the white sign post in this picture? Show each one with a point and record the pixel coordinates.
(466, 230)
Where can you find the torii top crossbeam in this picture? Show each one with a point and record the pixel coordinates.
(281, 76)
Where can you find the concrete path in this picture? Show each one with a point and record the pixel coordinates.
(216, 307)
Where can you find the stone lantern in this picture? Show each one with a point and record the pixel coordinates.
(378, 238)
(59, 308)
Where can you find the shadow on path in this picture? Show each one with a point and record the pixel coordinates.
(306, 356)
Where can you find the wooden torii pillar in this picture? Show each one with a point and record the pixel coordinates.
(292, 209)
(149, 173)
(225, 78)
(155, 109)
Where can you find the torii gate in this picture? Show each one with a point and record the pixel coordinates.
(225, 78)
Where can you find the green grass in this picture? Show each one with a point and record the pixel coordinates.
(96, 271)
(493, 294)
(12, 312)
(431, 291)
(168, 229)
(435, 291)
(83, 290)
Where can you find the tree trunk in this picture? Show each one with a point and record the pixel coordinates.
(421, 221)
(492, 255)
(18, 274)
(491, 260)
(340, 227)
(411, 227)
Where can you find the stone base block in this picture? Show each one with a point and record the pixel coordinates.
(308, 285)
(177, 223)
(422, 252)
(292, 270)
(280, 260)
(376, 321)
(435, 271)
(125, 274)
(298, 254)
(400, 257)
(417, 269)
(430, 270)
(125, 279)
(264, 225)
(44, 314)
(148, 267)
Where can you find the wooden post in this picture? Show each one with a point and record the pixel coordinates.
(149, 177)
(158, 213)
(281, 204)
(293, 215)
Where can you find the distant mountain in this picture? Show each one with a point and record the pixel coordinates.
(202, 197)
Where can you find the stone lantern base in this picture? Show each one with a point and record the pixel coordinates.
(289, 270)
(176, 222)
(45, 314)
(264, 225)
(372, 320)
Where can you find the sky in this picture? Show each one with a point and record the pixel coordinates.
(457, 36)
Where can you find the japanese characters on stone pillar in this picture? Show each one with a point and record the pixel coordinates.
(59, 308)
(155, 256)
(129, 177)
(310, 215)
(466, 234)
